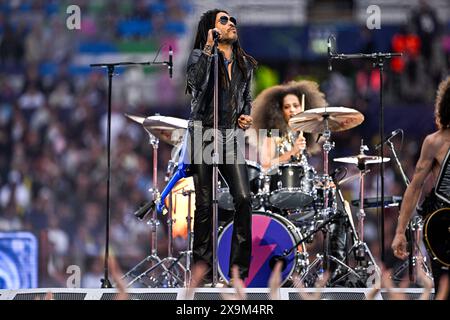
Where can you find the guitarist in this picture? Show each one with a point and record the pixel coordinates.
(434, 149)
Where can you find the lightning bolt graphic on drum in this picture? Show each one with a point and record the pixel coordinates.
(260, 253)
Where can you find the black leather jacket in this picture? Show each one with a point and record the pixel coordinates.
(200, 82)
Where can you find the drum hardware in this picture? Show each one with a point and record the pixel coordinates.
(156, 126)
(324, 121)
(312, 273)
(351, 178)
(358, 275)
(188, 252)
(319, 259)
(361, 160)
(360, 249)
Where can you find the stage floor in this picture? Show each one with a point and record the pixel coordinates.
(207, 294)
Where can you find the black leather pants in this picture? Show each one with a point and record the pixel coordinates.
(236, 176)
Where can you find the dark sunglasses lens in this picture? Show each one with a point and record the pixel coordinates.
(223, 20)
(233, 20)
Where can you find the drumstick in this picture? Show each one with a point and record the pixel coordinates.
(303, 109)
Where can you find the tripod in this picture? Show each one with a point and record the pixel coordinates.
(413, 233)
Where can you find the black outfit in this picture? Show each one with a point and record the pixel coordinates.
(234, 100)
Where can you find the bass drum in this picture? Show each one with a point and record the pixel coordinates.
(271, 236)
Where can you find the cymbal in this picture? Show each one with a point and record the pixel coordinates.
(362, 158)
(168, 129)
(339, 119)
(137, 119)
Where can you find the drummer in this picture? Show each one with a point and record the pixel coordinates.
(272, 109)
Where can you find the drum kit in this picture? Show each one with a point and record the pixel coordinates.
(291, 202)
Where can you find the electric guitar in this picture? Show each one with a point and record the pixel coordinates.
(436, 229)
(436, 235)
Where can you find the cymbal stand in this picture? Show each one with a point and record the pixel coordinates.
(155, 260)
(414, 232)
(188, 253)
(360, 247)
(327, 147)
(154, 141)
(169, 277)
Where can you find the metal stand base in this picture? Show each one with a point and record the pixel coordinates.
(167, 277)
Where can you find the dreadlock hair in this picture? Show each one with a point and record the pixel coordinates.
(207, 22)
(442, 106)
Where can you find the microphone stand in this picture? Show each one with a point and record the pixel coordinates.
(379, 59)
(105, 283)
(215, 175)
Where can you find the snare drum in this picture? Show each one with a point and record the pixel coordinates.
(291, 185)
(272, 234)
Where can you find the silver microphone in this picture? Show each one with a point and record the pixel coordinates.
(329, 54)
(170, 61)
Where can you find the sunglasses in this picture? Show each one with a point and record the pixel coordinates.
(224, 20)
